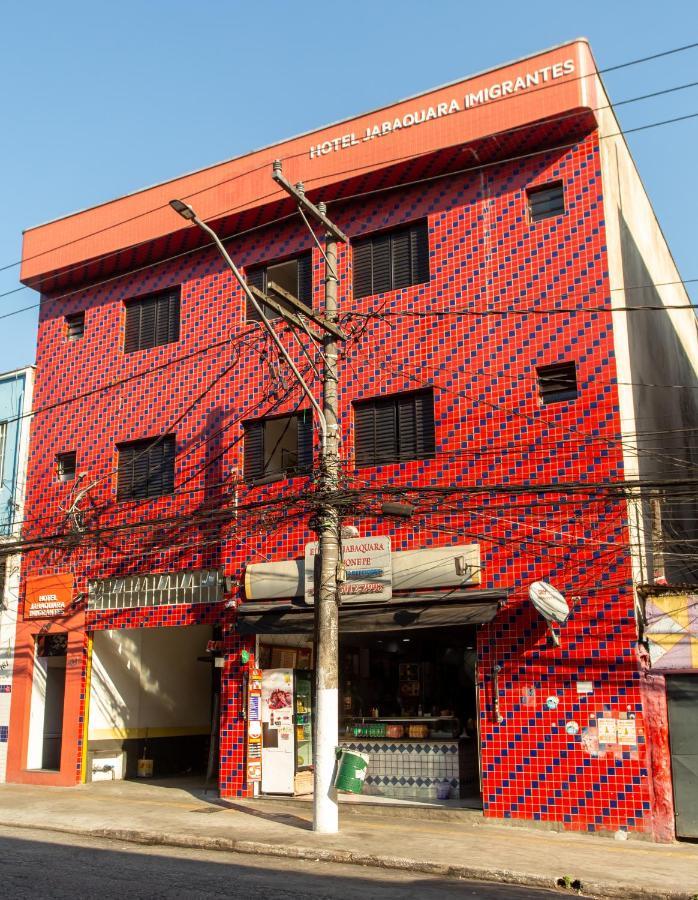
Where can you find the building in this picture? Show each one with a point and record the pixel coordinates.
(15, 409)
(501, 376)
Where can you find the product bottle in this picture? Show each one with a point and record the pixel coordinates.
(420, 711)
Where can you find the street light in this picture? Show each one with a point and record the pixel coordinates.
(185, 211)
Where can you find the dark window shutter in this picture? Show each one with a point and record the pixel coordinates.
(382, 275)
(254, 450)
(255, 278)
(364, 434)
(424, 424)
(419, 252)
(362, 266)
(133, 327)
(402, 269)
(146, 469)
(305, 279)
(305, 442)
(152, 321)
(407, 427)
(386, 431)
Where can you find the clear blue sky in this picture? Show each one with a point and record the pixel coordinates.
(100, 99)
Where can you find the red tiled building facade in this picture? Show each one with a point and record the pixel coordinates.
(524, 472)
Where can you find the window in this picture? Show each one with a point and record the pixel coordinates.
(545, 201)
(66, 465)
(558, 382)
(75, 326)
(392, 429)
(152, 321)
(146, 468)
(282, 445)
(391, 260)
(294, 276)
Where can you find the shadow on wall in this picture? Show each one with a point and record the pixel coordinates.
(666, 417)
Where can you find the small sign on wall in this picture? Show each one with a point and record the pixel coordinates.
(48, 596)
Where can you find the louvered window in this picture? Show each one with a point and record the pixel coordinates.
(295, 276)
(152, 321)
(558, 382)
(66, 465)
(146, 468)
(393, 429)
(75, 326)
(282, 445)
(391, 260)
(546, 201)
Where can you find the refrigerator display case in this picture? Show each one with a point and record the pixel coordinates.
(287, 731)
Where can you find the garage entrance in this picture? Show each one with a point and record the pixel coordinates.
(152, 700)
(682, 701)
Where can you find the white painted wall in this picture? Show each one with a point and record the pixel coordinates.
(149, 679)
(37, 712)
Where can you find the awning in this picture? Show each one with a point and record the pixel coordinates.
(406, 613)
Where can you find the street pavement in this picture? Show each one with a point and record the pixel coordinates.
(62, 866)
(424, 842)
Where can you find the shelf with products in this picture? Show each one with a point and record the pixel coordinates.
(402, 727)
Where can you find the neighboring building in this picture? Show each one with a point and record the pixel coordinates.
(15, 409)
(493, 376)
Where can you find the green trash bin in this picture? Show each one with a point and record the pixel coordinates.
(352, 766)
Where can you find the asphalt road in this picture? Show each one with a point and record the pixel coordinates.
(50, 864)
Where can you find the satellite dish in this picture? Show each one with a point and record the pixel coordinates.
(550, 604)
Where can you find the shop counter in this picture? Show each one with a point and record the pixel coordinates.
(409, 769)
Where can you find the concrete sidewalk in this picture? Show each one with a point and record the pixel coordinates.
(444, 843)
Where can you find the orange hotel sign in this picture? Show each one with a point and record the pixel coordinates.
(48, 596)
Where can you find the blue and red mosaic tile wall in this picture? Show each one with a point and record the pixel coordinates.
(475, 333)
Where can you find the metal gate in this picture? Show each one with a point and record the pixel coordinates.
(682, 699)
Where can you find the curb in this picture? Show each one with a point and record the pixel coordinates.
(592, 889)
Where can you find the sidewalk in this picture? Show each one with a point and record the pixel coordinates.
(445, 844)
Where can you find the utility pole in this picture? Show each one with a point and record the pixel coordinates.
(326, 583)
(327, 522)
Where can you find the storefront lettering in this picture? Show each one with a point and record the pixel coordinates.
(495, 91)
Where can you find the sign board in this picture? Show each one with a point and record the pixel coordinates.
(48, 596)
(254, 727)
(162, 589)
(368, 565)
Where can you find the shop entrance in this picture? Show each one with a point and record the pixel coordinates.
(153, 704)
(409, 699)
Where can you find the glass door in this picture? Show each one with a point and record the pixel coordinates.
(304, 719)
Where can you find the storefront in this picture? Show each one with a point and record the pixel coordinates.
(408, 688)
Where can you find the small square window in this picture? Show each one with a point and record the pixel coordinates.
(66, 465)
(558, 382)
(394, 428)
(545, 201)
(75, 326)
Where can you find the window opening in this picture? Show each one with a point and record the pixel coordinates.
(152, 321)
(146, 468)
(557, 382)
(545, 201)
(393, 429)
(66, 465)
(293, 275)
(278, 446)
(391, 260)
(75, 326)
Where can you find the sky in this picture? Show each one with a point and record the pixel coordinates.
(101, 99)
